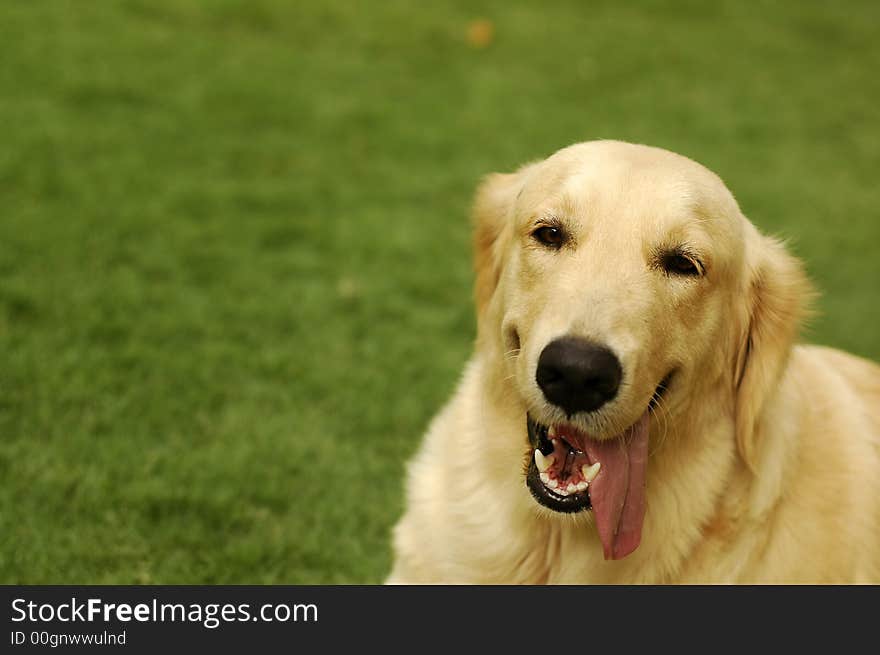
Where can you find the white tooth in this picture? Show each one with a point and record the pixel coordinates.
(582, 486)
(553, 484)
(552, 431)
(543, 461)
(571, 488)
(545, 478)
(590, 472)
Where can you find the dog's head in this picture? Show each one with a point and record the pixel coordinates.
(616, 285)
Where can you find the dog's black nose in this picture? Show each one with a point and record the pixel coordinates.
(578, 375)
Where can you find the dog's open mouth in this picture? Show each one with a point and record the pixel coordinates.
(569, 472)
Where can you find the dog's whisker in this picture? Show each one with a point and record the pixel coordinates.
(660, 420)
(661, 412)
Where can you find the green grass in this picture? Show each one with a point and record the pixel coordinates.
(234, 247)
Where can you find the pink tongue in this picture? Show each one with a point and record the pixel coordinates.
(618, 492)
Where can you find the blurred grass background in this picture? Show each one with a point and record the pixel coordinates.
(234, 249)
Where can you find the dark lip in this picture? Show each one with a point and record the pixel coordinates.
(538, 439)
(661, 389)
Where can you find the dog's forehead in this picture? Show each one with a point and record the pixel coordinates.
(610, 178)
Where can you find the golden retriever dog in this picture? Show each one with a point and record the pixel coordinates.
(636, 409)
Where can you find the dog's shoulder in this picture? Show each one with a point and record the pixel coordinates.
(858, 373)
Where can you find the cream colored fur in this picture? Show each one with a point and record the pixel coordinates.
(765, 455)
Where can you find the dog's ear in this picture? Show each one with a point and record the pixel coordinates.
(779, 296)
(492, 213)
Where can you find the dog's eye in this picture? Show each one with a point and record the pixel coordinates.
(678, 264)
(552, 237)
